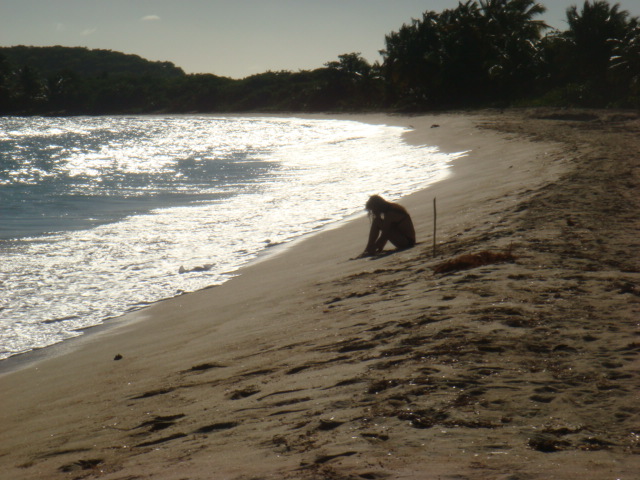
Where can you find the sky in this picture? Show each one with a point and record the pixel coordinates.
(231, 38)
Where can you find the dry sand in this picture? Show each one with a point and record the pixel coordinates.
(311, 365)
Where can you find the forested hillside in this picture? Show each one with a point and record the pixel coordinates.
(482, 53)
(87, 63)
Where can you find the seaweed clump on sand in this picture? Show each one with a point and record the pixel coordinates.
(474, 260)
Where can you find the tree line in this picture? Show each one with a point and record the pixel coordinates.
(481, 53)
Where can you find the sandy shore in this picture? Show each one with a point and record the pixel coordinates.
(313, 365)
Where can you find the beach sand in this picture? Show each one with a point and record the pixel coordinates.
(315, 365)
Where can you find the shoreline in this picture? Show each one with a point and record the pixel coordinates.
(18, 361)
(97, 313)
(313, 365)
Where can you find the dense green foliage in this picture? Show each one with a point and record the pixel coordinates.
(482, 53)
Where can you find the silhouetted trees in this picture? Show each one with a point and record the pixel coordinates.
(87, 63)
(493, 52)
(591, 32)
(625, 64)
(477, 52)
(481, 53)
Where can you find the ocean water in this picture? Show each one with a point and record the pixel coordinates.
(103, 215)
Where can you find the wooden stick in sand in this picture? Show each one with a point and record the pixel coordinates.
(434, 226)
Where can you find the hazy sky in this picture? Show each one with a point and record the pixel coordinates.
(234, 38)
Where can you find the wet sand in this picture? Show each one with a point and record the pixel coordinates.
(316, 365)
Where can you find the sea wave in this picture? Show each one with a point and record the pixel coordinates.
(130, 210)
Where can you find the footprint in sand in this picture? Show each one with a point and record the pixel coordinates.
(216, 427)
(90, 464)
(203, 367)
(159, 423)
(151, 443)
(244, 392)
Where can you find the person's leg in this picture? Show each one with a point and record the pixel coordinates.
(399, 238)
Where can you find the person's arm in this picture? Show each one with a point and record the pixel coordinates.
(374, 232)
(384, 236)
(370, 249)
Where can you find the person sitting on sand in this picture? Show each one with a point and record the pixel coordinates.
(390, 222)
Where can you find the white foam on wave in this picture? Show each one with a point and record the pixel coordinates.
(320, 172)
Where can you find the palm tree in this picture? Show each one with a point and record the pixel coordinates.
(513, 40)
(462, 53)
(625, 61)
(517, 15)
(592, 32)
(410, 63)
(474, 52)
